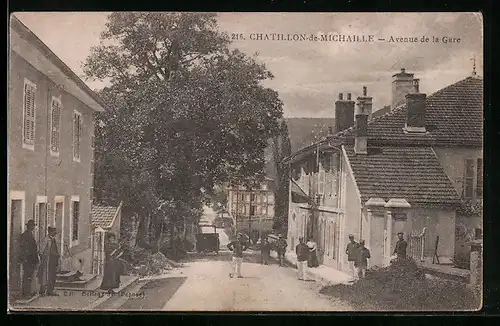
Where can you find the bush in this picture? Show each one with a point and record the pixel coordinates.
(404, 286)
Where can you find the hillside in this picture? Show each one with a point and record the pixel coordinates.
(303, 132)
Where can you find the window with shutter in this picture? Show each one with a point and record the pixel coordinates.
(479, 181)
(321, 181)
(469, 178)
(75, 218)
(36, 219)
(29, 114)
(77, 135)
(55, 122)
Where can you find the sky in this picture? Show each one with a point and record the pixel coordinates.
(309, 75)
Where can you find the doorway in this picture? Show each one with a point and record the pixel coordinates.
(16, 227)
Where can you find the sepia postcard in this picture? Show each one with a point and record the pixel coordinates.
(175, 161)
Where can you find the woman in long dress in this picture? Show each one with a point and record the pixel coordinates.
(313, 258)
(112, 265)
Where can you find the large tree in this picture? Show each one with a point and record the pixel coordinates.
(186, 113)
(281, 149)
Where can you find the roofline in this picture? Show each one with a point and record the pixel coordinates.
(337, 136)
(116, 213)
(351, 172)
(17, 25)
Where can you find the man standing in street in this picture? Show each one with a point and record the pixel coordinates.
(265, 250)
(400, 250)
(351, 252)
(281, 246)
(29, 258)
(302, 251)
(237, 247)
(49, 262)
(361, 262)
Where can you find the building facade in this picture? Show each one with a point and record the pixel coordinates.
(252, 209)
(411, 170)
(50, 134)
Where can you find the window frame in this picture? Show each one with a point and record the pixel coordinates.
(472, 180)
(59, 101)
(479, 178)
(30, 146)
(77, 113)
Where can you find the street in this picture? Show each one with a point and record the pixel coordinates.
(203, 284)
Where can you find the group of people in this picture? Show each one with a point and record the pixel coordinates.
(306, 254)
(358, 255)
(46, 262)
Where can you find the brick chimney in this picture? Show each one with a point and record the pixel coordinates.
(402, 84)
(344, 113)
(415, 110)
(367, 104)
(361, 125)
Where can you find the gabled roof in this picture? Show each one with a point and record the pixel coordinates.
(413, 173)
(104, 216)
(454, 118)
(26, 44)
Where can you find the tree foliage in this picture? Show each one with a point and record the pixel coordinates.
(186, 113)
(281, 150)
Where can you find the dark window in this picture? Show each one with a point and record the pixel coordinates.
(76, 219)
(479, 181)
(252, 197)
(252, 210)
(478, 233)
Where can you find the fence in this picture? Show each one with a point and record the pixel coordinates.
(416, 243)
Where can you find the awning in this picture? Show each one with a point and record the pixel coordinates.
(298, 195)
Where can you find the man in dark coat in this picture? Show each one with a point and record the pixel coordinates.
(400, 249)
(49, 263)
(265, 250)
(361, 263)
(29, 257)
(281, 246)
(302, 251)
(352, 252)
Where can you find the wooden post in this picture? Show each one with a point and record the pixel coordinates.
(422, 240)
(435, 257)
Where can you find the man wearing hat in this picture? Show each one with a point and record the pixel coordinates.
(400, 249)
(49, 262)
(302, 251)
(352, 254)
(29, 257)
(281, 246)
(237, 247)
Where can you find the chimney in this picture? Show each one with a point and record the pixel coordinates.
(402, 84)
(361, 126)
(415, 110)
(367, 104)
(344, 113)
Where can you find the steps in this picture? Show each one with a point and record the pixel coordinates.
(127, 283)
(70, 282)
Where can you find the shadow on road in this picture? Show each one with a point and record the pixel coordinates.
(250, 256)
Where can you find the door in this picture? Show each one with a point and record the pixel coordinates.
(58, 216)
(377, 241)
(15, 234)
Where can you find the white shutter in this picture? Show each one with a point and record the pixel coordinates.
(47, 216)
(56, 125)
(36, 219)
(29, 113)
